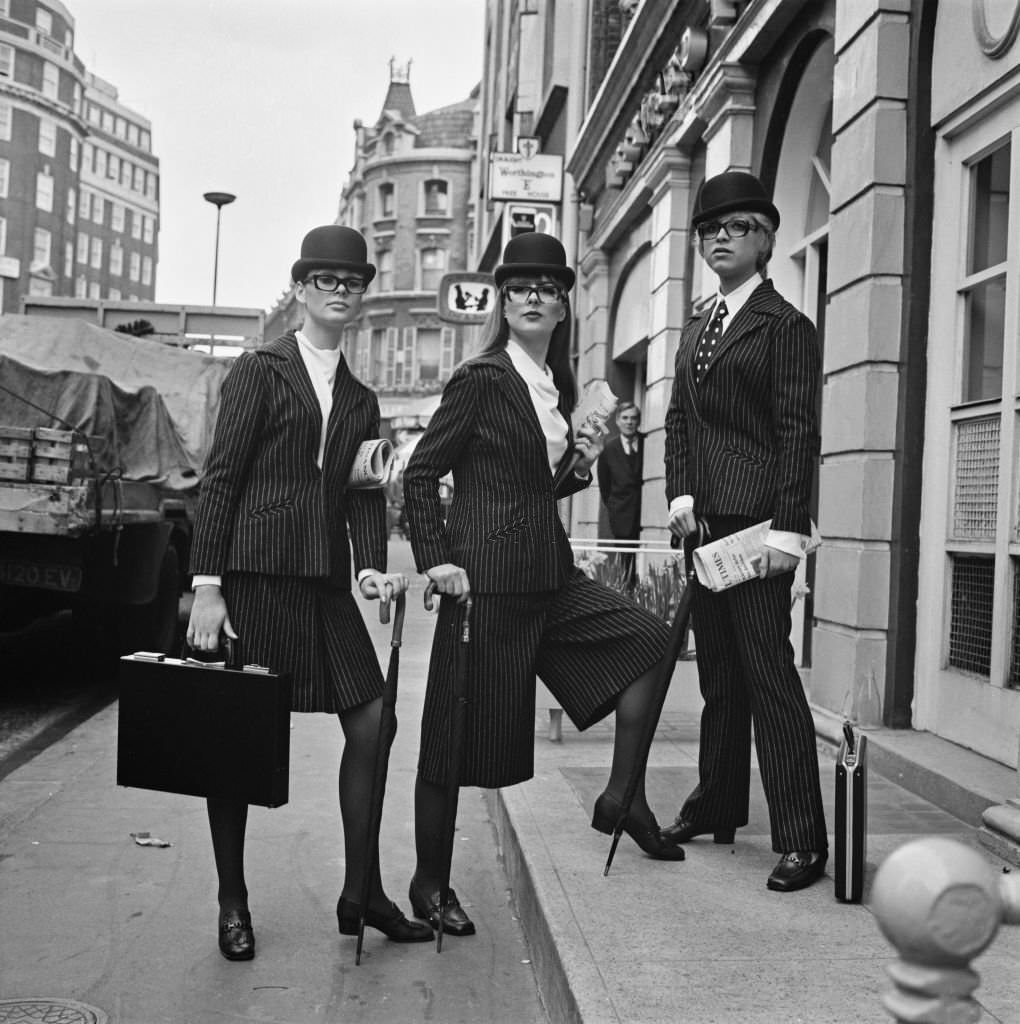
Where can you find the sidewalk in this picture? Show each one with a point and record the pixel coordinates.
(89, 916)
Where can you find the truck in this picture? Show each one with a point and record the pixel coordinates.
(103, 437)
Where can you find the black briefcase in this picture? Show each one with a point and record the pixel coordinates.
(204, 730)
(851, 815)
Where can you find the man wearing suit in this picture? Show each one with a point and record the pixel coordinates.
(619, 471)
(741, 447)
(277, 536)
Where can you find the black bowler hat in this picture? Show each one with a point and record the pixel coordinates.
(535, 253)
(729, 191)
(333, 247)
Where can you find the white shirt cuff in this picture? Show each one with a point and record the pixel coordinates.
(364, 573)
(206, 580)
(682, 503)
(791, 543)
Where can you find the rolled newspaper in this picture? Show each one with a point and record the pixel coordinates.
(372, 464)
(726, 563)
(597, 405)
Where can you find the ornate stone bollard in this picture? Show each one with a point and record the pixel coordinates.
(940, 904)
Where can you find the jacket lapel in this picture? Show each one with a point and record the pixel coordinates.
(347, 393)
(762, 304)
(288, 363)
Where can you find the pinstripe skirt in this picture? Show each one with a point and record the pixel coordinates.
(586, 642)
(310, 629)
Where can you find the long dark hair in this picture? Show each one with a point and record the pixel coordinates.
(496, 332)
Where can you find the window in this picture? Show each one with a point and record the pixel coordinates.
(3, 236)
(147, 270)
(47, 137)
(88, 156)
(42, 242)
(150, 185)
(71, 211)
(39, 286)
(139, 180)
(149, 226)
(116, 260)
(120, 128)
(98, 209)
(93, 114)
(76, 89)
(44, 192)
(100, 167)
(80, 286)
(113, 167)
(117, 216)
(97, 253)
(136, 224)
(107, 121)
(132, 134)
(386, 199)
(384, 267)
(6, 121)
(436, 202)
(113, 293)
(145, 140)
(83, 248)
(85, 206)
(94, 290)
(50, 80)
(68, 260)
(73, 154)
(5, 177)
(44, 20)
(433, 266)
(134, 266)
(6, 61)
(428, 347)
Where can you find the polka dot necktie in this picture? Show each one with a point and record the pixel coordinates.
(710, 341)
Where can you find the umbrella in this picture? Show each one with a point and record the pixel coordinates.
(387, 729)
(675, 644)
(458, 714)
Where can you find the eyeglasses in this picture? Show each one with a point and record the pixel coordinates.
(735, 228)
(522, 292)
(332, 284)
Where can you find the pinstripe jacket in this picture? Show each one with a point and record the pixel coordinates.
(264, 505)
(503, 527)
(745, 440)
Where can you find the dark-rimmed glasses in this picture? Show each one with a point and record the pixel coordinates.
(523, 292)
(331, 283)
(737, 227)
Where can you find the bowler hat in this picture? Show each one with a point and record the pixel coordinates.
(535, 253)
(333, 247)
(732, 190)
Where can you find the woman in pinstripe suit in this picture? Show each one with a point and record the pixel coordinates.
(741, 447)
(272, 559)
(503, 429)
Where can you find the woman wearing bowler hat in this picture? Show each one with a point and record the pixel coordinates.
(503, 429)
(277, 534)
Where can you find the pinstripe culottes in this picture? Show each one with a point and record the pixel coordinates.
(311, 630)
(586, 642)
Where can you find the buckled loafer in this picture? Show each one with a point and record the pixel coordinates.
(797, 870)
(426, 906)
(237, 940)
(391, 923)
(683, 831)
(646, 834)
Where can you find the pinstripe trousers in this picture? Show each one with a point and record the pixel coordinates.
(747, 673)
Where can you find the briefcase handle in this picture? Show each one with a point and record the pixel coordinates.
(230, 646)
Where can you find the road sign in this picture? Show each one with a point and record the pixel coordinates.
(538, 178)
(465, 298)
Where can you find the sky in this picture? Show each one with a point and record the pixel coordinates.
(259, 98)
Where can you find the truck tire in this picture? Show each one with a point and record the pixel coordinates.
(155, 626)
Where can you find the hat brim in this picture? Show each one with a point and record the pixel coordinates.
(750, 205)
(554, 270)
(300, 270)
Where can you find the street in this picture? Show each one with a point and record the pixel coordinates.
(91, 913)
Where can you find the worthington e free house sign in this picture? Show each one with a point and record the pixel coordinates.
(537, 178)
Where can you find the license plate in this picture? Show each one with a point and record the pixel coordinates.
(40, 575)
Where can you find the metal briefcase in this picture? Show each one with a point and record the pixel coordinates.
(851, 815)
(204, 730)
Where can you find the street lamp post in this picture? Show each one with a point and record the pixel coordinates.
(219, 200)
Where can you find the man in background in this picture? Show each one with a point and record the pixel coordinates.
(620, 478)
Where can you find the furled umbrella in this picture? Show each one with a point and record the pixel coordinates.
(387, 730)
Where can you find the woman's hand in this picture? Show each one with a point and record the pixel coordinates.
(450, 579)
(682, 523)
(383, 586)
(588, 444)
(774, 562)
(209, 619)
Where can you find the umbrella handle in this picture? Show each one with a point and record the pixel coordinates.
(398, 621)
(430, 592)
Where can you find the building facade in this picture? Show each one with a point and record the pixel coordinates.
(884, 129)
(79, 186)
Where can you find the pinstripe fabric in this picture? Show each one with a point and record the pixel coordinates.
(503, 526)
(312, 629)
(587, 644)
(265, 507)
(744, 442)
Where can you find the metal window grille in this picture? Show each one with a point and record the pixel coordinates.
(1014, 661)
(976, 478)
(970, 625)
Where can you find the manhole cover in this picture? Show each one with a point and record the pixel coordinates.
(49, 1011)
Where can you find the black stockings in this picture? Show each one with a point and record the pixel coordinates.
(632, 710)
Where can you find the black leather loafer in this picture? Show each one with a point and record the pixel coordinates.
(237, 940)
(391, 923)
(645, 833)
(683, 831)
(425, 905)
(797, 870)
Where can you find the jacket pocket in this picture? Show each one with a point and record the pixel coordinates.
(272, 508)
(508, 530)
